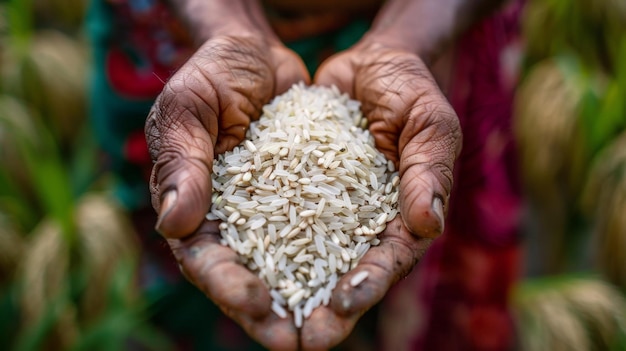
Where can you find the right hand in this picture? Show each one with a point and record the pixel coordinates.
(413, 125)
(204, 110)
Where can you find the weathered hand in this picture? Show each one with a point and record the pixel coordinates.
(205, 109)
(414, 125)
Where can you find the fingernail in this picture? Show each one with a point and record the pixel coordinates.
(438, 210)
(168, 203)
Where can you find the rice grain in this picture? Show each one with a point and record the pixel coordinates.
(359, 278)
(303, 198)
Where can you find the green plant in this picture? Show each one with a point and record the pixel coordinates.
(67, 247)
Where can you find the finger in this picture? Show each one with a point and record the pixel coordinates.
(289, 69)
(215, 270)
(337, 70)
(182, 133)
(325, 329)
(413, 125)
(429, 144)
(182, 150)
(385, 264)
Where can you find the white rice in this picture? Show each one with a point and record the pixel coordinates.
(297, 316)
(304, 196)
(279, 309)
(359, 278)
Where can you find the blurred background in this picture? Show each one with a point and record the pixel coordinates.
(69, 255)
(570, 123)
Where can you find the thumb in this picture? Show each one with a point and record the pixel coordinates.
(289, 68)
(182, 149)
(429, 145)
(337, 70)
(414, 125)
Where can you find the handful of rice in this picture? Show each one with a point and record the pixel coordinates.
(304, 197)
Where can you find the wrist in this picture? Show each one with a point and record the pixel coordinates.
(379, 40)
(208, 19)
(425, 27)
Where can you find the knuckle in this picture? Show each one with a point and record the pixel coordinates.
(152, 134)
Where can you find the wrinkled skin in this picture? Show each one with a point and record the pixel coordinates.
(413, 125)
(205, 109)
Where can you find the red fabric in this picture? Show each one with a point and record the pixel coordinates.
(464, 291)
(149, 45)
(130, 81)
(136, 149)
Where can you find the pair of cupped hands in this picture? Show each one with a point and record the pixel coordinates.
(206, 108)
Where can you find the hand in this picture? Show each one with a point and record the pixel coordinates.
(414, 126)
(204, 110)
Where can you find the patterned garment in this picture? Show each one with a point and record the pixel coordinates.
(455, 300)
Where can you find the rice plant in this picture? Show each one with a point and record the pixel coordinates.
(68, 256)
(570, 122)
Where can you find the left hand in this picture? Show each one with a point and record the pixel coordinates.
(413, 125)
(204, 110)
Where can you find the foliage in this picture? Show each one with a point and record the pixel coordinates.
(570, 114)
(570, 313)
(68, 257)
(570, 121)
